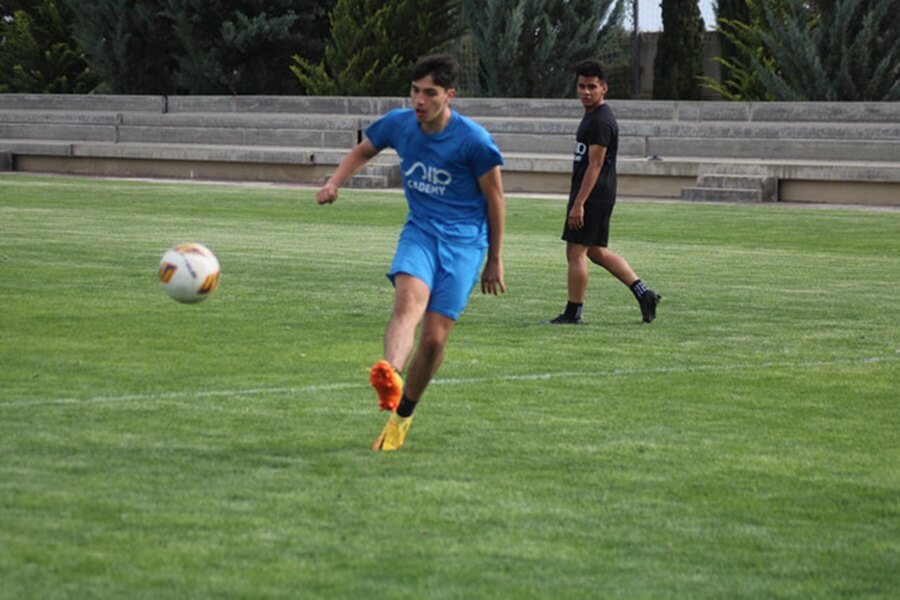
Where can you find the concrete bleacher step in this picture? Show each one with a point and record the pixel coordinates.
(784, 149)
(65, 132)
(38, 147)
(381, 174)
(767, 186)
(725, 187)
(664, 146)
(82, 102)
(246, 136)
(368, 182)
(704, 194)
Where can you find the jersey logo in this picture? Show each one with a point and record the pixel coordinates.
(428, 180)
(580, 151)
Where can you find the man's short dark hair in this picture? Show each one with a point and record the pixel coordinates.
(443, 68)
(590, 68)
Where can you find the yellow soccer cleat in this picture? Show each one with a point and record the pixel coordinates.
(387, 383)
(393, 434)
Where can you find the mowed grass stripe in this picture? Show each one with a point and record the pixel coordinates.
(305, 392)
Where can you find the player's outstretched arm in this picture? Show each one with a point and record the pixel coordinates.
(353, 162)
(491, 184)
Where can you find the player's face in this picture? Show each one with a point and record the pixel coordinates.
(431, 103)
(591, 91)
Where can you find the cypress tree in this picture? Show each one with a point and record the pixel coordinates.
(738, 27)
(527, 48)
(730, 11)
(129, 44)
(194, 46)
(374, 44)
(38, 50)
(240, 47)
(678, 67)
(834, 50)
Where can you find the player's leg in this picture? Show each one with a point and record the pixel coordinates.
(576, 284)
(594, 231)
(621, 270)
(424, 364)
(449, 294)
(410, 299)
(428, 356)
(612, 262)
(452, 285)
(412, 273)
(577, 274)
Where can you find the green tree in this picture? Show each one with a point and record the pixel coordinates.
(833, 50)
(245, 46)
(527, 48)
(678, 67)
(374, 44)
(729, 11)
(38, 51)
(129, 44)
(839, 50)
(738, 26)
(210, 46)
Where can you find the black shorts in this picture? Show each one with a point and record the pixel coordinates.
(596, 226)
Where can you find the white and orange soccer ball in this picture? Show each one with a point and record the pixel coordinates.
(189, 272)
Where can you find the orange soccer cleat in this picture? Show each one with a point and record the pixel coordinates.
(388, 385)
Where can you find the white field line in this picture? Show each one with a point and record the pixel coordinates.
(453, 381)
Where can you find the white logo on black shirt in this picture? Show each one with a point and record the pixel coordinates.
(580, 151)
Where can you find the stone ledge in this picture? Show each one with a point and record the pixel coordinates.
(37, 147)
(781, 112)
(695, 166)
(82, 102)
(534, 162)
(854, 147)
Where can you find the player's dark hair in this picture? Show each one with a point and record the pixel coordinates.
(590, 68)
(443, 68)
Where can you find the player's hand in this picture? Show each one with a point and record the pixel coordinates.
(327, 194)
(576, 217)
(492, 278)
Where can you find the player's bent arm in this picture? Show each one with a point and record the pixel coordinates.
(491, 184)
(355, 160)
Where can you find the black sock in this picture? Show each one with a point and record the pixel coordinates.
(406, 407)
(638, 288)
(573, 310)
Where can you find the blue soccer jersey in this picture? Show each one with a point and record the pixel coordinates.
(440, 173)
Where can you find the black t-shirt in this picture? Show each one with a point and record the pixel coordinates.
(597, 128)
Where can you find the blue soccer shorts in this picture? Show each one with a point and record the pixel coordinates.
(449, 270)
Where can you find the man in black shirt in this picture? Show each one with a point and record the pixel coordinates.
(592, 198)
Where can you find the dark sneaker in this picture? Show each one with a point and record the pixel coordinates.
(564, 320)
(648, 302)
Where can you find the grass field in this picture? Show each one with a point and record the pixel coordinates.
(744, 445)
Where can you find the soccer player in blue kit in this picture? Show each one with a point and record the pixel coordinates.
(454, 191)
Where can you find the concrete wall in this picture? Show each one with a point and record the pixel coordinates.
(805, 152)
